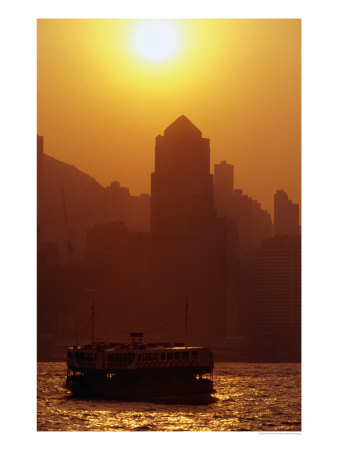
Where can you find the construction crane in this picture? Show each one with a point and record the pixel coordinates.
(69, 245)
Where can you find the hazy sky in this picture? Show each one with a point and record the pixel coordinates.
(101, 103)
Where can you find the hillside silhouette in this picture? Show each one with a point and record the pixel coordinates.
(70, 202)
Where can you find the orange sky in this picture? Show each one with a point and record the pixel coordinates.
(100, 105)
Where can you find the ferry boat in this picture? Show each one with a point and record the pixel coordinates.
(138, 371)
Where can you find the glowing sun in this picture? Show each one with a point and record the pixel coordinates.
(156, 40)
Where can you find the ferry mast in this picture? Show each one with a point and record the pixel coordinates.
(186, 323)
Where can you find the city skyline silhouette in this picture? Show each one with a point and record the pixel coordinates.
(198, 238)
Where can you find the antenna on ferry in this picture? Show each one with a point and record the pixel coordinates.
(186, 322)
(93, 321)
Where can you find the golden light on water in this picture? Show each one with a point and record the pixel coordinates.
(247, 397)
(156, 40)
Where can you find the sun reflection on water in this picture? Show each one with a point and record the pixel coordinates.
(248, 397)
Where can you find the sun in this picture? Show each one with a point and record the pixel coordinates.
(156, 40)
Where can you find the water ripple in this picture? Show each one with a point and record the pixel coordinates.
(249, 397)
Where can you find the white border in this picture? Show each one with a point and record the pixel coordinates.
(319, 218)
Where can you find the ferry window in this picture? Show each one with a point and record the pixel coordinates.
(194, 355)
(184, 355)
(139, 356)
(81, 356)
(150, 356)
(177, 355)
(130, 356)
(77, 355)
(118, 356)
(144, 357)
(124, 356)
(169, 355)
(70, 355)
(162, 356)
(156, 356)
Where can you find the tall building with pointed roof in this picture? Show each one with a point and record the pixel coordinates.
(184, 230)
(181, 185)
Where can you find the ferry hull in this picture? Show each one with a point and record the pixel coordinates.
(200, 391)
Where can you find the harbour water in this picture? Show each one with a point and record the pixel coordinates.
(249, 397)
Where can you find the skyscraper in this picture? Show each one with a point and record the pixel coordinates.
(183, 229)
(277, 292)
(286, 215)
(224, 188)
(181, 185)
(254, 223)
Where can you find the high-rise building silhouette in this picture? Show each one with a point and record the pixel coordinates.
(184, 230)
(195, 253)
(117, 270)
(277, 293)
(286, 215)
(254, 223)
(181, 185)
(224, 188)
(118, 204)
